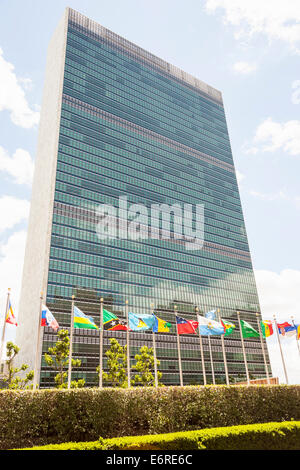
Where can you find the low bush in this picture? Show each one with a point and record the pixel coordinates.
(29, 418)
(268, 436)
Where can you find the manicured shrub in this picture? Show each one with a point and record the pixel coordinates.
(267, 436)
(53, 416)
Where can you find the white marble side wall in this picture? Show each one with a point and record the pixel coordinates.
(35, 271)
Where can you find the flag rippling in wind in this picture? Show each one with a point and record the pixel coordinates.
(211, 314)
(10, 317)
(286, 329)
(228, 327)
(186, 326)
(48, 319)
(141, 321)
(161, 326)
(248, 331)
(83, 321)
(209, 327)
(266, 328)
(112, 322)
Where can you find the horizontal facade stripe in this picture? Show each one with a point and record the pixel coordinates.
(146, 132)
(80, 213)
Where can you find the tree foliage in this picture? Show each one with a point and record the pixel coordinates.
(145, 367)
(11, 379)
(58, 359)
(116, 363)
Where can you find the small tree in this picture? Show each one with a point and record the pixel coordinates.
(12, 380)
(58, 359)
(116, 362)
(145, 366)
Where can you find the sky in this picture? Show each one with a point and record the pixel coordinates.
(247, 49)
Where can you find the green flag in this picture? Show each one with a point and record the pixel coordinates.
(112, 322)
(248, 331)
(228, 326)
(108, 316)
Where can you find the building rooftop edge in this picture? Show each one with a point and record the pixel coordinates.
(178, 73)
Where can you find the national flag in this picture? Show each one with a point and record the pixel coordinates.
(248, 331)
(161, 326)
(298, 331)
(112, 322)
(211, 314)
(209, 327)
(48, 319)
(266, 328)
(186, 326)
(10, 317)
(141, 321)
(228, 327)
(286, 329)
(83, 321)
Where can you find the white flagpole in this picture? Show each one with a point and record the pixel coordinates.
(38, 354)
(297, 341)
(202, 353)
(101, 345)
(155, 359)
(211, 361)
(223, 349)
(71, 343)
(262, 347)
(127, 341)
(281, 353)
(178, 348)
(154, 354)
(243, 348)
(4, 325)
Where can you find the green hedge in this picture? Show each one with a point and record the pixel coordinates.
(53, 416)
(269, 436)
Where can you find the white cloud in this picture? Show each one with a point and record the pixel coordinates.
(11, 268)
(20, 166)
(26, 83)
(244, 68)
(13, 211)
(279, 295)
(239, 176)
(271, 136)
(247, 148)
(273, 18)
(280, 195)
(12, 96)
(296, 94)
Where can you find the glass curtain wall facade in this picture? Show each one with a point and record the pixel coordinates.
(128, 127)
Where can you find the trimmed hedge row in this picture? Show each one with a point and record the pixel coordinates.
(29, 418)
(269, 436)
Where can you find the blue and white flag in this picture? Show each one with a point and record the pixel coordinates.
(141, 321)
(209, 327)
(211, 315)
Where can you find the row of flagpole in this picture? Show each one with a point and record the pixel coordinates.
(100, 345)
(50, 320)
(178, 348)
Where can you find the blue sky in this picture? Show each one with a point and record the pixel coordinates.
(249, 50)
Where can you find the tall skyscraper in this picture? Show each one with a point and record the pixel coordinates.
(121, 127)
